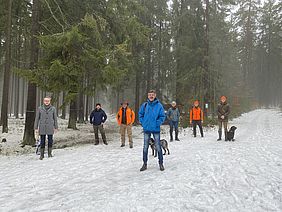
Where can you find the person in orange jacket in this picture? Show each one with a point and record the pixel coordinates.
(125, 118)
(196, 118)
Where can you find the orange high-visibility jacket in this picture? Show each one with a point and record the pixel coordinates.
(130, 116)
(196, 114)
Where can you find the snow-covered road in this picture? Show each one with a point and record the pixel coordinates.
(201, 174)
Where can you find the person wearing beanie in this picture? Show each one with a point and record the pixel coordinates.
(196, 118)
(98, 118)
(223, 111)
(173, 116)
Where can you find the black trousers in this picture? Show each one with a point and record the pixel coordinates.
(194, 124)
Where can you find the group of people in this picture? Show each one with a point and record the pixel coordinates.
(151, 116)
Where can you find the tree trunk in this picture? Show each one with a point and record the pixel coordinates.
(87, 108)
(28, 138)
(64, 107)
(73, 114)
(81, 108)
(137, 93)
(7, 72)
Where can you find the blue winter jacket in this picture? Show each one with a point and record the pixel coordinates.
(98, 117)
(151, 116)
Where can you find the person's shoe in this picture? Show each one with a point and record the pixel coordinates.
(171, 140)
(122, 145)
(195, 136)
(219, 139)
(105, 142)
(143, 168)
(41, 153)
(202, 136)
(177, 139)
(131, 146)
(161, 167)
(50, 152)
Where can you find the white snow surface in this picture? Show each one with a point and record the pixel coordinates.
(201, 174)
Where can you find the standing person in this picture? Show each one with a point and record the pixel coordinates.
(197, 118)
(223, 110)
(125, 118)
(151, 117)
(173, 116)
(46, 123)
(98, 118)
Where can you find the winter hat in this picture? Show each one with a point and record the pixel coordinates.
(196, 102)
(173, 103)
(223, 98)
(125, 102)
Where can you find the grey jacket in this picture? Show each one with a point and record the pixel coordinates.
(173, 114)
(46, 120)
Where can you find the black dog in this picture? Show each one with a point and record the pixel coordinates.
(164, 145)
(231, 133)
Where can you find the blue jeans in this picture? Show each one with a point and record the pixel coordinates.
(147, 136)
(173, 124)
(43, 139)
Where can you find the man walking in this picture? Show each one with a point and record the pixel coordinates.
(46, 124)
(173, 116)
(151, 117)
(125, 118)
(197, 118)
(223, 110)
(98, 118)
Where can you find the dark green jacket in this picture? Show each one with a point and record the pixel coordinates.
(223, 109)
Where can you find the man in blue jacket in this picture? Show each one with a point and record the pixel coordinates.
(151, 117)
(98, 118)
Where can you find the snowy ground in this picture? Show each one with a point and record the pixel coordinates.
(63, 138)
(201, 174)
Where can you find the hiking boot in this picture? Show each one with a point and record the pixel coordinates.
(105, 142)
(96, 142)
(219, 135)
(41, 153)
(143, 168)
(122, 145)
(50, 152)
(131, 146)
(161, 167)
(176, 135)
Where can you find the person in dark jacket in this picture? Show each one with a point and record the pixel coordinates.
(223, 110)
(173, 116)
(46, 124)
(151, 117)
(98, 118)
